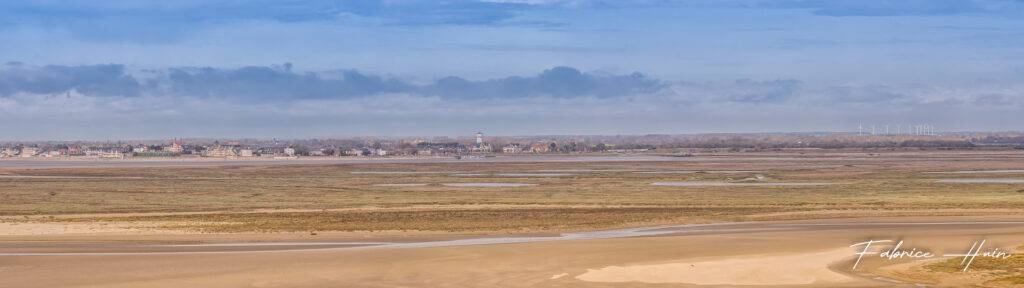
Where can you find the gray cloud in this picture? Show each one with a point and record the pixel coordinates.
(740, 91)
(276, 101)
(559, 82)
(993, 100)
(278, 83)
(863, 94)
(747, 90)
(93, 80)
(261, 83)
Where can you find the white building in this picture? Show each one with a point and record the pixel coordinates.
(245, 153)
(29, 151)
(220, 151)
(512, 148)
(480, 145)
(289, 151)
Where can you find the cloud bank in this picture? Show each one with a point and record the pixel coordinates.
(279, 83)
(108, 102)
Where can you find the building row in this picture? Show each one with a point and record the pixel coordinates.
(177, 148)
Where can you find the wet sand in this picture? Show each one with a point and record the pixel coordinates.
(808, 253)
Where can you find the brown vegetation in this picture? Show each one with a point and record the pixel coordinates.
(475, 220)
(890, 183)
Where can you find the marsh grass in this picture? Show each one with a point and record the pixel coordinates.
(461, 220)
(1008, 271)
(1013, 264)
(891, 182)
(1012, 279)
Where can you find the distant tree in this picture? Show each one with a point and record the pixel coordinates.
(300, 150)
(328, 151)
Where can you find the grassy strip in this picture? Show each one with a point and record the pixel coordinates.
(1010, 270)
(533, 219)
(1014, 263)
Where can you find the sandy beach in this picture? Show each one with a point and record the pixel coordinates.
(810, 253)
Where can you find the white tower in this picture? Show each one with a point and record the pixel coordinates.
(479, 138)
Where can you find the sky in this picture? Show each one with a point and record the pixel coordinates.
(126, 69)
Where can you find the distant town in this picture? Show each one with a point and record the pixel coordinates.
(479, 145)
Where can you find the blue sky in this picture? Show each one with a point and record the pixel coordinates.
(157, 69)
